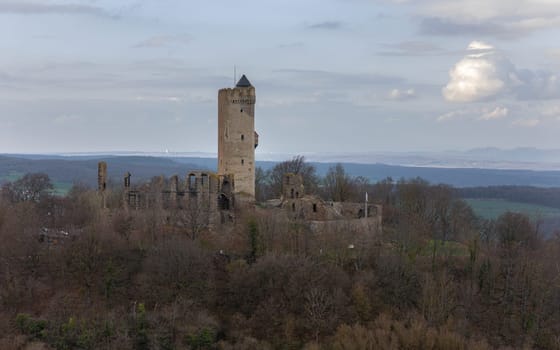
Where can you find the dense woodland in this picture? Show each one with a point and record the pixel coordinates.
(75, 276)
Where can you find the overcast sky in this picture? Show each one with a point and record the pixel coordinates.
(330, 75)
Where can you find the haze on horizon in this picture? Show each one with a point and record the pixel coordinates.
(330, 75)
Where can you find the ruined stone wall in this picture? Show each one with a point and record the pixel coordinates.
(101, 176)
(309, 208)
(102, 183)
(370, 225)
(236, 137)
(300, 206)
(205, 195)
(292, 186)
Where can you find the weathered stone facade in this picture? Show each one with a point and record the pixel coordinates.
(102, 182)
(204, 194)
(237, 138)
(321, 214)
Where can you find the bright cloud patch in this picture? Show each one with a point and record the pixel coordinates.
(400, 95)
(473, 113)
(478, 76)
(485, 74)
(479, 45)
(498, 113)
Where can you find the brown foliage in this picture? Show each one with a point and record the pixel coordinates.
(125, 280)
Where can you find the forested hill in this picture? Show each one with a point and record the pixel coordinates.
(84, 170)
(549, 197)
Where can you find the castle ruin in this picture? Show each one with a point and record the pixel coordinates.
(213, 196)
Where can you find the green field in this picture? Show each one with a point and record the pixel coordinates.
(12, 176)
(493, 208)
(59, 188)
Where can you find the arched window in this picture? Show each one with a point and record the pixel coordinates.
(192, 182)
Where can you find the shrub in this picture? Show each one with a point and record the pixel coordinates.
(34, 328)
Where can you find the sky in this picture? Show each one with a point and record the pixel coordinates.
(330, 75)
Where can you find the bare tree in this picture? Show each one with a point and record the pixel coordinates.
(262, 184)
(195, 217)
(31, 187)
(339, 186)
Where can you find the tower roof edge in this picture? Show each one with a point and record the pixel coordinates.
(243, 82)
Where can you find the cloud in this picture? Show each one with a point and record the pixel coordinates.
(481, 114)
(164, 40)
(497, 113)
(531, 85)
(506, 12)
(451, 115)
(33, 8)
(452, 27)
(480, 75)
(553, 53)
(410, 48)
(479, 45)
(329, 25)
(551, 111)
(526, 123)
(486, 74)
(499, 18)
(402, 95)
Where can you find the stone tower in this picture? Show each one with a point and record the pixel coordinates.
(237, 138)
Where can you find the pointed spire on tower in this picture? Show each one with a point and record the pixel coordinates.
(243, 82)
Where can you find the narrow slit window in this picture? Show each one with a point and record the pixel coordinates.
(242, 161)
(242, 137)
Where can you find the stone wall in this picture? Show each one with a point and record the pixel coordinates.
(204, 194)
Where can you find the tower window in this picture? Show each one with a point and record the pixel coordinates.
(192, 182)
(242, 137)
(242, 161)
(314, 207)
(241, 110)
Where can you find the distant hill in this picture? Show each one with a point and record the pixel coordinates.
(78, 170)
(83, 169)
